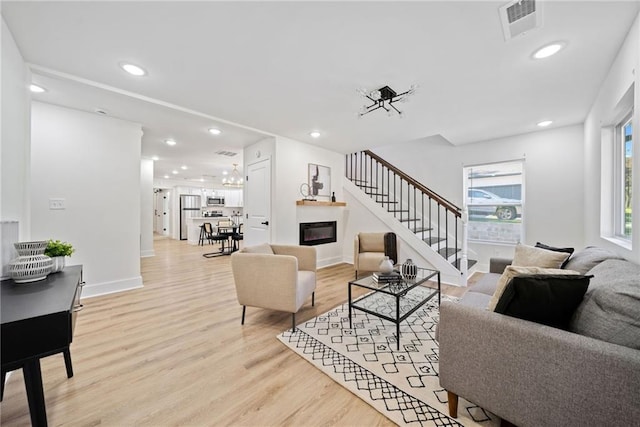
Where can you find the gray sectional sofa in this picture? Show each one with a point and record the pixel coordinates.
(535, 375)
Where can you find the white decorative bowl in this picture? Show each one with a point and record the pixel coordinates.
(31, 248)
(31, 265)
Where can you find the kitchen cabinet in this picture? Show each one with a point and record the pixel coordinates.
(233, 198)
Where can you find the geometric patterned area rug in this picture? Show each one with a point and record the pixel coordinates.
(401, 384)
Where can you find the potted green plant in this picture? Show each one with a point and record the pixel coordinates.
(58, 250)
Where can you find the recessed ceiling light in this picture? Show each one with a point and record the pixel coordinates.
(174, 172)
(155, 158)
(224, 172)
(183, 167)
(214, 131)
(545, 123)
(36, 89)
(132, 69)
(548, 50)
(170, 142)
(315, 134)
(166, 177)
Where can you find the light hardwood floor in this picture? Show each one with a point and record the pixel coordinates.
(174, 354)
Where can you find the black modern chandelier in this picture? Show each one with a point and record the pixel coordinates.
(384, 98)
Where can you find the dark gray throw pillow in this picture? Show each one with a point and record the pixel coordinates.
(543, 298)
(551, 248)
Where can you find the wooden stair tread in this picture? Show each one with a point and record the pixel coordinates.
(419, 229)
(470, 263)
(447, 252)
(433, 240)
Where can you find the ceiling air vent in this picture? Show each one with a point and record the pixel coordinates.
(520, 17)
(226, 153)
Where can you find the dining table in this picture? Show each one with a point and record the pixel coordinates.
(228, 231)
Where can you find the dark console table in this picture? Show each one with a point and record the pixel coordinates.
(37, 321)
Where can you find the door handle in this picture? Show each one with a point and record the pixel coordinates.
(265, 223)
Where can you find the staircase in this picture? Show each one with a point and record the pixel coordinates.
(430, 224)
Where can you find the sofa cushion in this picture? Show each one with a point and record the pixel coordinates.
(611, 307)
(530, 256)
(552, 248)
(542, 298)
(475, 299)
(584, 260)
(263, 248)
(512, 271)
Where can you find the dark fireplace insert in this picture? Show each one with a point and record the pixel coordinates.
(317, 233)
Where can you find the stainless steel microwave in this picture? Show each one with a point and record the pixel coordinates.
(215, 201)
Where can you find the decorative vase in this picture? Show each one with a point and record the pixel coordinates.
(386, 266)
(32, 265)
(409, 270)
(58, 263)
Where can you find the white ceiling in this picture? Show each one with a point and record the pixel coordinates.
(288, 68)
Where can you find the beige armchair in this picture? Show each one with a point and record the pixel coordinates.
(276, 277)
(368, 251)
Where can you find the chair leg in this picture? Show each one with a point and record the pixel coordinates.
(67, 362)
(356, 274)
(313, 299)
(294, 322)
(453, 404)
(244, 309)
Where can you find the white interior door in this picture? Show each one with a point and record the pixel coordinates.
(258, 203)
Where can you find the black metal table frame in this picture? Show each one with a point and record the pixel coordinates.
(398, 319)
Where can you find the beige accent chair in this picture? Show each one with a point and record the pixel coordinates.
(368, 251)
(276, 277)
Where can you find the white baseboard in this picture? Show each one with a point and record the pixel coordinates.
(147, 253)
(329, 261)
(98, 289)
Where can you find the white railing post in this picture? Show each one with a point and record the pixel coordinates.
(464, 267)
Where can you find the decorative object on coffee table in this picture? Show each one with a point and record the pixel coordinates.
(386, 266)
(409, 269)
(58, 251)
(31, 265)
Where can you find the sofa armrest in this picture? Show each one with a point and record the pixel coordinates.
(535, 375)
(267, 281)
(497, 265)
(306, 255)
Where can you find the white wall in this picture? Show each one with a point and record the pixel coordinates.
(292, 159)
(146, 208)
(15, 147)
(553, 179)
(289, 166)
(93, 163)
(624, 72)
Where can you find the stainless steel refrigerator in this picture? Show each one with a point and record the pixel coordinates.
(190, 206)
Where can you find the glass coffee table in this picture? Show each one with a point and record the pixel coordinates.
(394, 301)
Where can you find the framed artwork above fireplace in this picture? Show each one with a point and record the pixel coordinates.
(319, 181)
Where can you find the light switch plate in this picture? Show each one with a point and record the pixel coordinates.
(56, 204)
